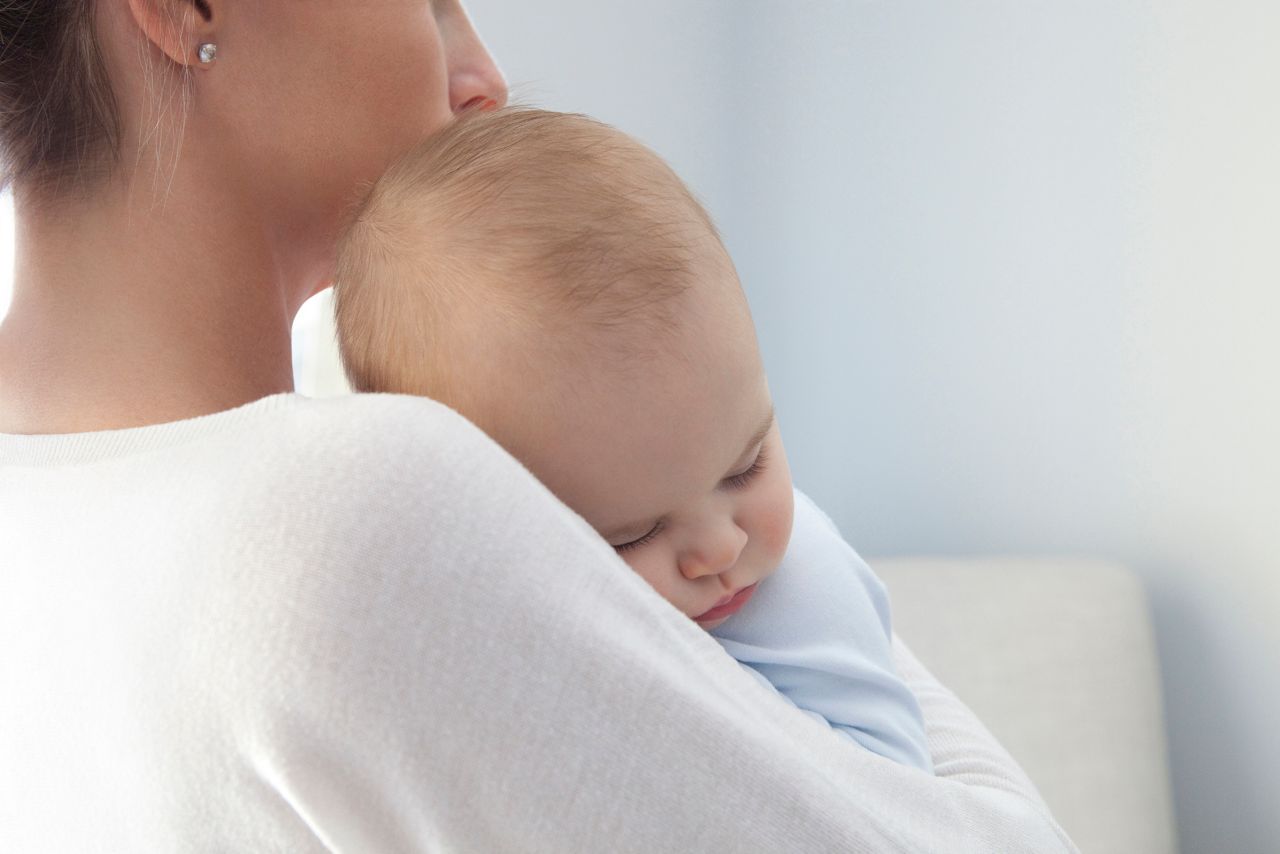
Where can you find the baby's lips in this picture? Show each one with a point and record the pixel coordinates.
(741, 595)
(725, 600)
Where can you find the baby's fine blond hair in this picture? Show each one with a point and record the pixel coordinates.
(520, 227)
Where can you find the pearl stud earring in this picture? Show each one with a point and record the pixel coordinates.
(208, 53)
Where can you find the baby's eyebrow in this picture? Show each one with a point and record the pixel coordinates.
(758, 436)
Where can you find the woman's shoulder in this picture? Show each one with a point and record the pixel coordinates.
(342, 491)
(397, 507)
(358, 432)
(388, 447)
(352, 438)
(378, 424)
(333, 468)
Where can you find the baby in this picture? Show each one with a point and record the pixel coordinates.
(553, 281)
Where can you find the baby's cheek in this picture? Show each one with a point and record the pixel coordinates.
(652, 565)
(773, 524)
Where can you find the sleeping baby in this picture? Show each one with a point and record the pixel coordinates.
(553, 281)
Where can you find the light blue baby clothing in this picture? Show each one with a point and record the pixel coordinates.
(818, 631)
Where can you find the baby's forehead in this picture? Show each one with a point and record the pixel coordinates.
(668, 331)
(654, 417)
(630, 463)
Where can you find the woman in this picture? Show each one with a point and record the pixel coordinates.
(232, 618)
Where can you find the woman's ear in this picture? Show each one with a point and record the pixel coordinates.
(176, 27)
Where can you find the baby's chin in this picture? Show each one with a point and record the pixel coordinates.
(711, 624)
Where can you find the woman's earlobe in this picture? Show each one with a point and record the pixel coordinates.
(181, 29)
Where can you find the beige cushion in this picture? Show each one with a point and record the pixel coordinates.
(1057, 657)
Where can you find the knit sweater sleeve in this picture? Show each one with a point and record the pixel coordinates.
(488, 676)
(963, 749)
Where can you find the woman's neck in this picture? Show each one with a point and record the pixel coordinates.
(127, 312)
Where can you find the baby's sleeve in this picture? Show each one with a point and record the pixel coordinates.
(818, 630)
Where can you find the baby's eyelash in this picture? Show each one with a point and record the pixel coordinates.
(738, 481)
(653, 532)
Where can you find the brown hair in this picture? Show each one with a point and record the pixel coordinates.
(530, 226)
(60, 127)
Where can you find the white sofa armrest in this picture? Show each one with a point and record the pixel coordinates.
(1057, 658)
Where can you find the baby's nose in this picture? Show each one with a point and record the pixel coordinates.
(715, 553)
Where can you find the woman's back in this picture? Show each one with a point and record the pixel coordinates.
(208, 623)
(182, 604)
(358, 624)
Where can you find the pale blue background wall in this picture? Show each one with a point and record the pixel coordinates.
(1014, 270)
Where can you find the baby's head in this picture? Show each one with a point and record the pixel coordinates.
(554, 281)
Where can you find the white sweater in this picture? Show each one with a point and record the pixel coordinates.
(359, 625)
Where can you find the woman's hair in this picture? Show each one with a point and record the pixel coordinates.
(60, 127)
